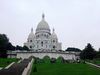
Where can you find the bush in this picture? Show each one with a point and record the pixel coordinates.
(53, 60)
(60, 60)
(46, 59)
(35, 69)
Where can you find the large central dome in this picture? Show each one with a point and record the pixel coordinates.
(43, 25)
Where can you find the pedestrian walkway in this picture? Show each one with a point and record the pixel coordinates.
(93, 64)
(16, 69)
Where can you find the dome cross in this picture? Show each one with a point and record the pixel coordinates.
(43, 16)
(53, 30)
(31, 29)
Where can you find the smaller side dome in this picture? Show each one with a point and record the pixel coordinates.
(31, 35)
(53, 35)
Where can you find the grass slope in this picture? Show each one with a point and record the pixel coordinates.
(6, 61)
(65, 69)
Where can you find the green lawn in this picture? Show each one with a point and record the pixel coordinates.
(6, 61)
(65, 69)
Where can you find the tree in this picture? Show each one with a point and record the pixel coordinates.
(35, 69)
(25, 48)
(73, 49)
(60, 60)
(4, 41)
(46, 59)
(10, 46)
(88, 52)
(19, 47)
(53, 60)
(98, 55)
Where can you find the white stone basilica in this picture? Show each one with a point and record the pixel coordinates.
(43, 39)
(42, 44)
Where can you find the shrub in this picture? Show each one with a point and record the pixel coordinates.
(35, 69)
(60, 60)
(46, 59)
(53, 60)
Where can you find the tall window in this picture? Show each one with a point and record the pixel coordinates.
(33, 46)
(54, 47)
(37, 46)
(30, 40)
(30, 46)
(46, 46)
(53, 41)
(46, 41)
(42, 43)
(37, 41)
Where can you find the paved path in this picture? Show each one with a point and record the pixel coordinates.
(16, 69)
(93, 64)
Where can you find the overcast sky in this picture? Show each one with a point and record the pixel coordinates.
(76, 22)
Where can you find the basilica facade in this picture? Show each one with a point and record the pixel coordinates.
(43, 39)
(43, 43)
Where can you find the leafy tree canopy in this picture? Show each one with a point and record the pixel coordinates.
(25, 48)
(73, 49)
(4, 41)
(88, 52)
(19, 47)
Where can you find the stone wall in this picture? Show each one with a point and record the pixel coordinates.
(66, 56)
